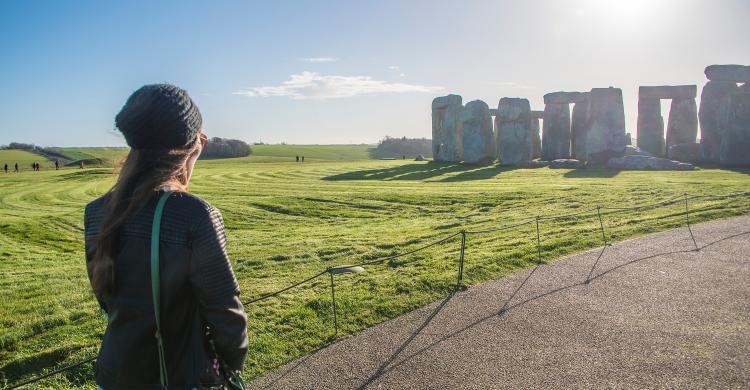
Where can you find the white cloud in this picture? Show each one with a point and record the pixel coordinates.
(402, 75)
(393, 67)
(320, 59)
(313, 85)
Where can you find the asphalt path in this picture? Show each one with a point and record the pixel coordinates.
(645, 313)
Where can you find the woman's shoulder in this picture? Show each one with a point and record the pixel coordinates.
(191, 203)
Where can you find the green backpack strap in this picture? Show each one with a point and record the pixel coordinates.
(155, 288)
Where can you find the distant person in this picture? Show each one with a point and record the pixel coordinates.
(198, 290)
(17, 168)
(57, 164)
(403, 158)
(297, 158)
(81, 164)
(303, 158)
(6, 168)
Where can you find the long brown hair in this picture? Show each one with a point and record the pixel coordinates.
(142, 174)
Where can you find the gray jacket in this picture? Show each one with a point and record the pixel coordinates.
(198, 289)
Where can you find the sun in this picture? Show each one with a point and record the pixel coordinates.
(623, 10)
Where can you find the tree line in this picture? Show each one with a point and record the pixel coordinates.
(404, 147)
(225, 148)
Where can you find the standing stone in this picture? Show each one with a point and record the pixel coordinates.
(578, 129)
(650, 126)
(735, 144)
(478, 138)
(682, 126)
(514, 136)
(713, 116)
(606, 126)
(536, 139)
(556, 131)
(446, 128)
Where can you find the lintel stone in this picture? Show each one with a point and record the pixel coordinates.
(736, 73)
(565, 97)
(668, 92)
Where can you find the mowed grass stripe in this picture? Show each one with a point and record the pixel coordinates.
(287, 221)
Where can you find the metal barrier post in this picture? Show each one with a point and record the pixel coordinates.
(333, 303)
(461, 261)
(538, 243)
(601, 224)
(687, 221)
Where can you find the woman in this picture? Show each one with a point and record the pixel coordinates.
(162, 125)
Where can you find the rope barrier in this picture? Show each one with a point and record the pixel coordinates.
(564, 216)
(685, 198)
(658, 204)
(736, 194)
(55, 372)
(275, 293)
(506, 227)
(407, 253)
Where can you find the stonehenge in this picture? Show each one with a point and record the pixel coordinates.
(578, 129)
(594, 133)
(447, 128)
(724, 123)
(478, 138)
(556, 132)
(605, 136)
(682, 124)
(562, 136)
(514, 131)
(650, 126)
(735, 144)
(713, 117)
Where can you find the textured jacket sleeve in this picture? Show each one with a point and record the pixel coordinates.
(216, 288)
(91, 225)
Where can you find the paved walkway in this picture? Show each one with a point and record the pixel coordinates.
(655, 314)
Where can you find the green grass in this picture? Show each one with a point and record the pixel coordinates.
(314, 152)
(286, 221)
(23, 158)
(104, 156)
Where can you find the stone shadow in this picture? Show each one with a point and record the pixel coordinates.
(423, 171)
(589, 173)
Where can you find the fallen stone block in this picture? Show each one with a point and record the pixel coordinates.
(641, 163)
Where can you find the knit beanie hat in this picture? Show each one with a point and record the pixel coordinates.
(159, 116)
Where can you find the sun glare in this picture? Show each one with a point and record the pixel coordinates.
(624, 10)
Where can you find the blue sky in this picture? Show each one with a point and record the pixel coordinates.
(340, 71)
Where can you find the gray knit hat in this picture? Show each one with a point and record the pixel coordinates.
(159, 116)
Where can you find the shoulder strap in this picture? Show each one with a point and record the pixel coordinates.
(155, 288)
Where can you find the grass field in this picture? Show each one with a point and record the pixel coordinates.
(105, 156)
(261, 153)
(23, 158)
(286, 221)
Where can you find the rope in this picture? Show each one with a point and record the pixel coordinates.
(275, 293)
(563, 216)
(506, 227)
(658, 204)
(736, 194)
(407, 253)
(55, 372)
